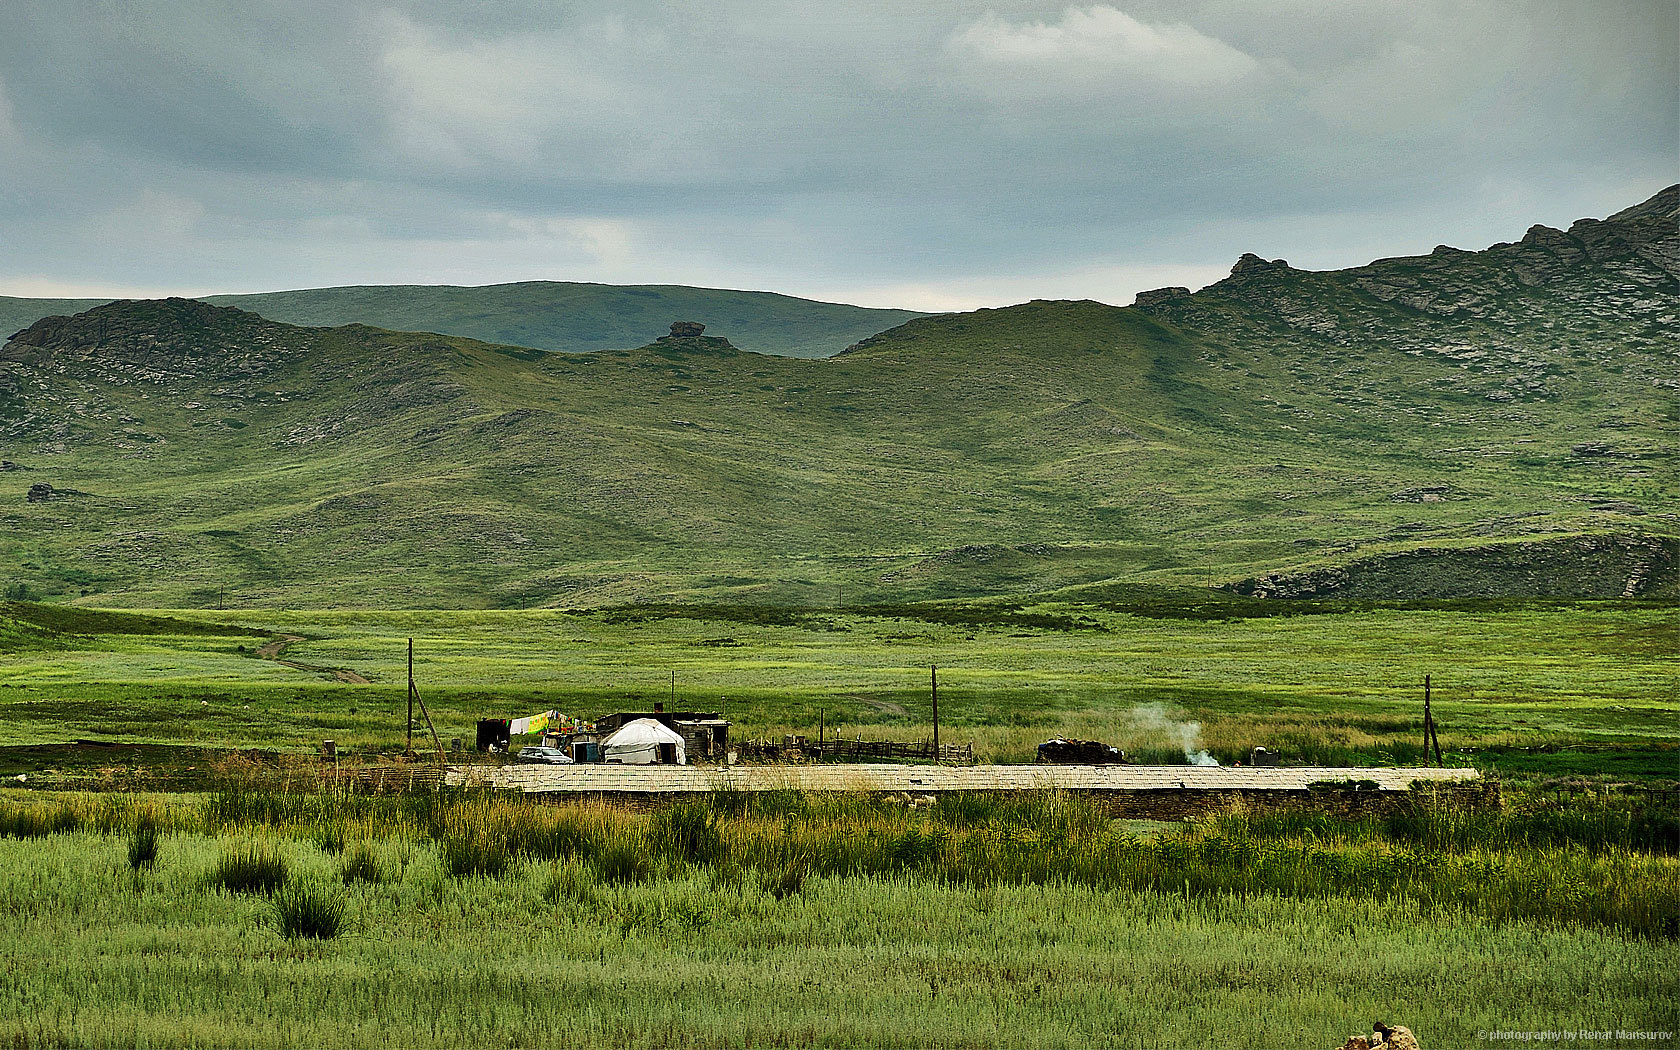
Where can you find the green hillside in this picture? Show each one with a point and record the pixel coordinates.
(561, 316)
(1465, 424)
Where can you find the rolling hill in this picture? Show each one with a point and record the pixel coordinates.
(1460, 424)
(564, 317)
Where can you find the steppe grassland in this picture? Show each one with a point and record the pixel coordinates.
(890, 933)
(1342, 687)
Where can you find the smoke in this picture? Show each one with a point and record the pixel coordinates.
(1156, 720)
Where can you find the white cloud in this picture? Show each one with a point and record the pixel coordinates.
(1102, 43)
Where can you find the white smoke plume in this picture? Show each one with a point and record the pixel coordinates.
(1157, 720)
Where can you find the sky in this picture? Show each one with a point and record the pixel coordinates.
(926, 154)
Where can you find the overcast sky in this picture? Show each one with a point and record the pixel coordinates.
(934, 154)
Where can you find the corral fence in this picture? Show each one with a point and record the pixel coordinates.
(799, 749)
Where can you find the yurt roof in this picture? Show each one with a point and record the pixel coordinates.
(643, 731)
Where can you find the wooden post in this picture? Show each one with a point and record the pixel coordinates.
(1429, 727)
(933, 677)
(822, 729)
(673, 690)
(408, 748)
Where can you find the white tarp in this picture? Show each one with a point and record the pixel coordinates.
(534, 724)
(637, 743)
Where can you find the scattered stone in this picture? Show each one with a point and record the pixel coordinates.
(8, 465)
(1598, 448)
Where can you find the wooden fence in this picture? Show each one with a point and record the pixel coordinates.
(804, 750)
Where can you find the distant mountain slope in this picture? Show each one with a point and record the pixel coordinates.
(17, 314)
(1487, 423)
(548, 315)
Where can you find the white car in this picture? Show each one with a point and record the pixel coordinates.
(554, 756)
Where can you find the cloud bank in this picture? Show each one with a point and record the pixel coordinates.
(946, 154)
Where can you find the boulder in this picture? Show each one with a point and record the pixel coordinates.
(1383, 1037)
(39, 492)
(686, 329)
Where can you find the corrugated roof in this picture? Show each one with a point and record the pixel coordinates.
(931, 779)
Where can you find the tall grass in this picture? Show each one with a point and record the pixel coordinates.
(249, 867)
(309, 910)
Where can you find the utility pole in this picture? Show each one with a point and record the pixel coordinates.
(1429, 735)
(933, 677)
(673, 690)
(408, 748)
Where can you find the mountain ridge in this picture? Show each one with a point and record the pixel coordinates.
(1276, 424)
(560, 316)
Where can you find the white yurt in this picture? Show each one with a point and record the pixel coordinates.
(642, 742)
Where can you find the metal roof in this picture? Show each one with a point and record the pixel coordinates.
(884, 777)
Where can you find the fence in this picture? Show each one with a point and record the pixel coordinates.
(799, 749)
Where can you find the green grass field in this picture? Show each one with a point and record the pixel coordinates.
(1584, 687)
(1028, 922)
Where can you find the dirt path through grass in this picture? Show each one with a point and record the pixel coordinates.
(884, 706)
(271, 650)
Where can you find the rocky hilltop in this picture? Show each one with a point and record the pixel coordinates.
(1463, 424)
(1516, 315)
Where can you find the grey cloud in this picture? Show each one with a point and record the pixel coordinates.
(815, 147)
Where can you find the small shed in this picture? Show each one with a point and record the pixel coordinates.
(645, 742)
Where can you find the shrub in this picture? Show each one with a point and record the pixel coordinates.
(690, 832)
(331, 839)
(249, 868)
(790, 881)
(303, 909)
(621, 863)
(143, 844)
(470, 854)
(361, 864)
(570, 883)
(30, 822)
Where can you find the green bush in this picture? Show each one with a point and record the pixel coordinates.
(33, 822)
(474, 854)
(143, 844)
(690, 832)
(249, 868)
(361, 864)
(304, 909)
(622, 863)
(571, 883)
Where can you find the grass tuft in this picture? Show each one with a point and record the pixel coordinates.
(143, 845)
(249, 868)
(309, 910)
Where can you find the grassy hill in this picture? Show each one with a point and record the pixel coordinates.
(1467, 417)
(561, 316)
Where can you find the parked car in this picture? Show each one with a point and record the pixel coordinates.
(554, 756)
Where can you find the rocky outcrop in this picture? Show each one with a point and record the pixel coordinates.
(1383, 1037)
(687, 338)
(39, 492)
(156, 340)
(1513, 319)
(1586, 566)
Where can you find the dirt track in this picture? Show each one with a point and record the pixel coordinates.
(271, 650)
